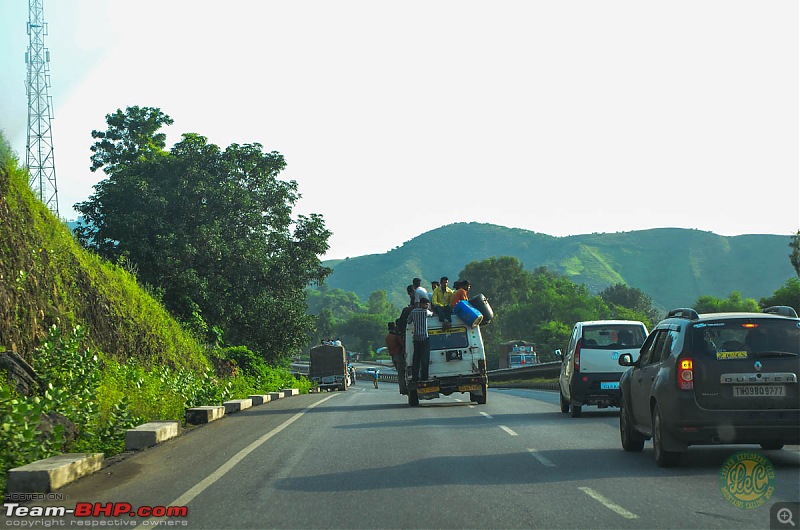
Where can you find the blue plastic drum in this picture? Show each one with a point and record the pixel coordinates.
(468, 314)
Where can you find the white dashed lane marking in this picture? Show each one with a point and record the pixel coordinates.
(509, 431)
(544, 461)
(616, 508)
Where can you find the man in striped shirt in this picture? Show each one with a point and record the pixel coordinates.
(422, 347)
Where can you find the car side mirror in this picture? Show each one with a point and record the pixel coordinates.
(626, 359)
(559, 355)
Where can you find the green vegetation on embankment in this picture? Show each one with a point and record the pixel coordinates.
(106, 353)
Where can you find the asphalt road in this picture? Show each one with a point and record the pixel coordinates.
(365, 459)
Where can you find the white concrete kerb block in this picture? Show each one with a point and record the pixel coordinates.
(235, 405)
(150, 434)
(44, 476)
(260, 399)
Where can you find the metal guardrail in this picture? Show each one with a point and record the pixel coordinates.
(547, 370)
(551, 369)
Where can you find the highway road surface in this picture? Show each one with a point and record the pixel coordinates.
(365, 459)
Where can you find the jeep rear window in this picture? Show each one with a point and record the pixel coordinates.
(613, 337)
(745, 338)
(448, 339)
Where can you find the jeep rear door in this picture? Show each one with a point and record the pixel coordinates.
(746, 363)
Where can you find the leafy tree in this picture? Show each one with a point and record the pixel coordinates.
(502, 280)
(788, 294)
(339, 302)
(378, 304)
(734, 302)
(794, 257)
(362, 332)
(623, 296)
(210, 229)
(325, 327)
(132, 135)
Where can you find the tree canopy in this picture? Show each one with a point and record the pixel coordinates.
(209, 229)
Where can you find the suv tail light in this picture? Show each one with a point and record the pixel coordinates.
(577, 362)
(685, 374)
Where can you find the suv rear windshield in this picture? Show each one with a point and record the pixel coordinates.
(743, 338)
(613, 337)
(448, 339)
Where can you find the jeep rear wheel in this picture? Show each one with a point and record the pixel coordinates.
(481, 400)
(664, 458)
(632, 440)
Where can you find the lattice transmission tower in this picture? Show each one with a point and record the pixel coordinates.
(40, 162)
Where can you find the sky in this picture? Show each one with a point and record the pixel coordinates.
(396, 118)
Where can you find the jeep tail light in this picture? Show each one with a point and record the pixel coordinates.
(577, 362)
(685, 374)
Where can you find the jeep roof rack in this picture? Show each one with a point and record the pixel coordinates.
(684, 312)
(782, 310)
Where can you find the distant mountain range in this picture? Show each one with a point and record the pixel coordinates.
(673, 266)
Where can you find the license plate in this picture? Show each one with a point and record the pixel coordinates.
(469, 388)
(610, 386)
(759, 391)
(427, 390)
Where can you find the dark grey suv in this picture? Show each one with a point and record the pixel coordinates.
(722, 378)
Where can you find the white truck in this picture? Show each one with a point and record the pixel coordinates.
(457, 362)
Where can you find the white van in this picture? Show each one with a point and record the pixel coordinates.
(590, 370)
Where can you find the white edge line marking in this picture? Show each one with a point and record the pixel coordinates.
(509, 431)
(608, 504)
(201, 486)
(544, 461)
(486, 415)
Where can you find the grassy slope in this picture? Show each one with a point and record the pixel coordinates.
(46, 279)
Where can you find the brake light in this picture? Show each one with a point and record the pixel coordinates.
(749, 325)
(578, 356)
(685, 374)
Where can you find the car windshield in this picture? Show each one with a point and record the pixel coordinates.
(725, 339)
(613, 336)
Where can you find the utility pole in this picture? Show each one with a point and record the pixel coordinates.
(40, 162)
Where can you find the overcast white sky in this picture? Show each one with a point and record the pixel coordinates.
(396, 118)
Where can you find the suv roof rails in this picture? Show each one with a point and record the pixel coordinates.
(782, 310)
(684, 312)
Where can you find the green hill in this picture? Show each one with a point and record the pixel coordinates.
(673, 266)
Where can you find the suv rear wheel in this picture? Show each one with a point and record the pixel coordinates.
(632, 440)
(664, 458)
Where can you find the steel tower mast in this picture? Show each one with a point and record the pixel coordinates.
(40, 162)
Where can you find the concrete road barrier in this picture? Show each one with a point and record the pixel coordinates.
(150, 434)
(235, 405)
(52, 473)
(204, 414)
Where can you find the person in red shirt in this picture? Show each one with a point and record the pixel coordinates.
(462, 288)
